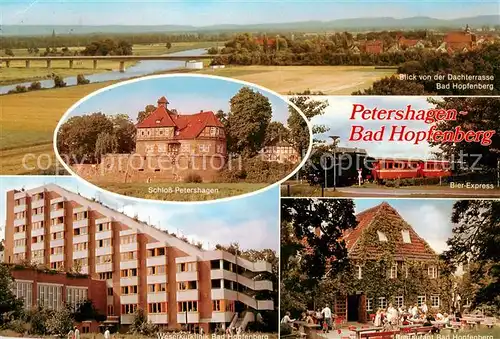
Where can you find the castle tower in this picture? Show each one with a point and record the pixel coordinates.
(163, 102)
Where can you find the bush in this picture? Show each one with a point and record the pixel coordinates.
(140, 325)
(59, 81)
(81, 80)
(17, 325)
(254, 170)
(193, 177)
(60, 323)
(18, 89)
(35, 85)
(37, 319)
(285, 329)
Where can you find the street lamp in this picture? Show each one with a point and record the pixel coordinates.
(335, 138)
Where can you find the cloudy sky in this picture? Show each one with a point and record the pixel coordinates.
(337, 118)
(187, 94)
(430, 218)
(213, 12)
(252, 222)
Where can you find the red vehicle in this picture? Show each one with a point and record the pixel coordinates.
(388, 169)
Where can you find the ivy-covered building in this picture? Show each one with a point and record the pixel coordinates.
(390, 263)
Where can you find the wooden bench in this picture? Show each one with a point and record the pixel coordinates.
(388, 334)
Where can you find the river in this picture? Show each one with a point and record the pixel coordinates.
(144, 67)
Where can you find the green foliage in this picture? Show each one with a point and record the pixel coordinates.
(10, 306)
(9, 52)
(276, 131)
(59, 81)
(168, 45)
(83, 139)
(212, 50)
(35, 85)
(250, 115)
(81, 80)
(482, 116)
(193, 177)
(105, 143)
(285, 329)
(38, 319)
(87, 311)
(18, 89)
(475, 242)
(310, 108)
(393, 86)
(254, 170)
(60, 322)
(140, 324)
(144, 114)
(108, 47)
(306, 258)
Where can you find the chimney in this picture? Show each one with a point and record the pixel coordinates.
(163, 102)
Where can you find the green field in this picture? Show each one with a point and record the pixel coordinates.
(173, 191)
(17, 72)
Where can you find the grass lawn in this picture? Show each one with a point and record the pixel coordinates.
(174, 191)
(17, 72)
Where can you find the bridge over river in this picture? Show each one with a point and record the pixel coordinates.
(119, 58)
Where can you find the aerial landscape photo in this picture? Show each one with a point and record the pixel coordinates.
(68, 50)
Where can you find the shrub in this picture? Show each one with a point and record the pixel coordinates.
(35, 85)
(193, 177)
(81, 80)
(59, 81)
(390, 183)
(140, 325)
(37, 319)
(60, 322)
(254, 170)
(285, 329)
(17, 325)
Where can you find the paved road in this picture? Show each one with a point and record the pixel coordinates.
(406, 191)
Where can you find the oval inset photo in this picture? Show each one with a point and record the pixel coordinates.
(183, 137)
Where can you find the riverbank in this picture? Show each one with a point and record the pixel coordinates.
(38, 71)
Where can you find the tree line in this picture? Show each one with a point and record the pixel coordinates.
(62, 40)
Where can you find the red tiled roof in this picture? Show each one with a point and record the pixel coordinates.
(408, 42)
(418, 249)
(376, 46)
(188, 126)
(160, 117)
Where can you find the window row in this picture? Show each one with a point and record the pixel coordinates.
(392, 273)
(399, 302)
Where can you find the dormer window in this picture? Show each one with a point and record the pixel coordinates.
(381, 236)
(158, 121)
(406, 236)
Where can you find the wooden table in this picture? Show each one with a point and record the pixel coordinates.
(367, 329)
(308, 329)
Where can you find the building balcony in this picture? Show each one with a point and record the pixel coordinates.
(110, 300)
(129, 247)
(103, 235)
(20, 195)
(57, 228)
(57, 213)
(157, 297)
(157, 279)
(129, 281)
(129, 299)
(102, 220)
(37, 203)
(128, 264)
(106, 267)
(156, 261)
(37, 217)
(221, 293)
(126, 319)
(37, 231)
(19, 222)
(56, 257)
(19, 249)
(188, 317)
(161, 318)
(81, 223)
(188, 295)
(186, 276)
(38, 246)
(19, 208)
(57, 243)
(19, 235)
(81, 254)
(78, 239)
(222, 317)
(103, 251)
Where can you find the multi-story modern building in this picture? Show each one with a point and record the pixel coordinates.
(175, 282)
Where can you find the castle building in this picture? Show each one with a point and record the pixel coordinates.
(280, 151)
(392, 264)
(176, 283)
(169, 147)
